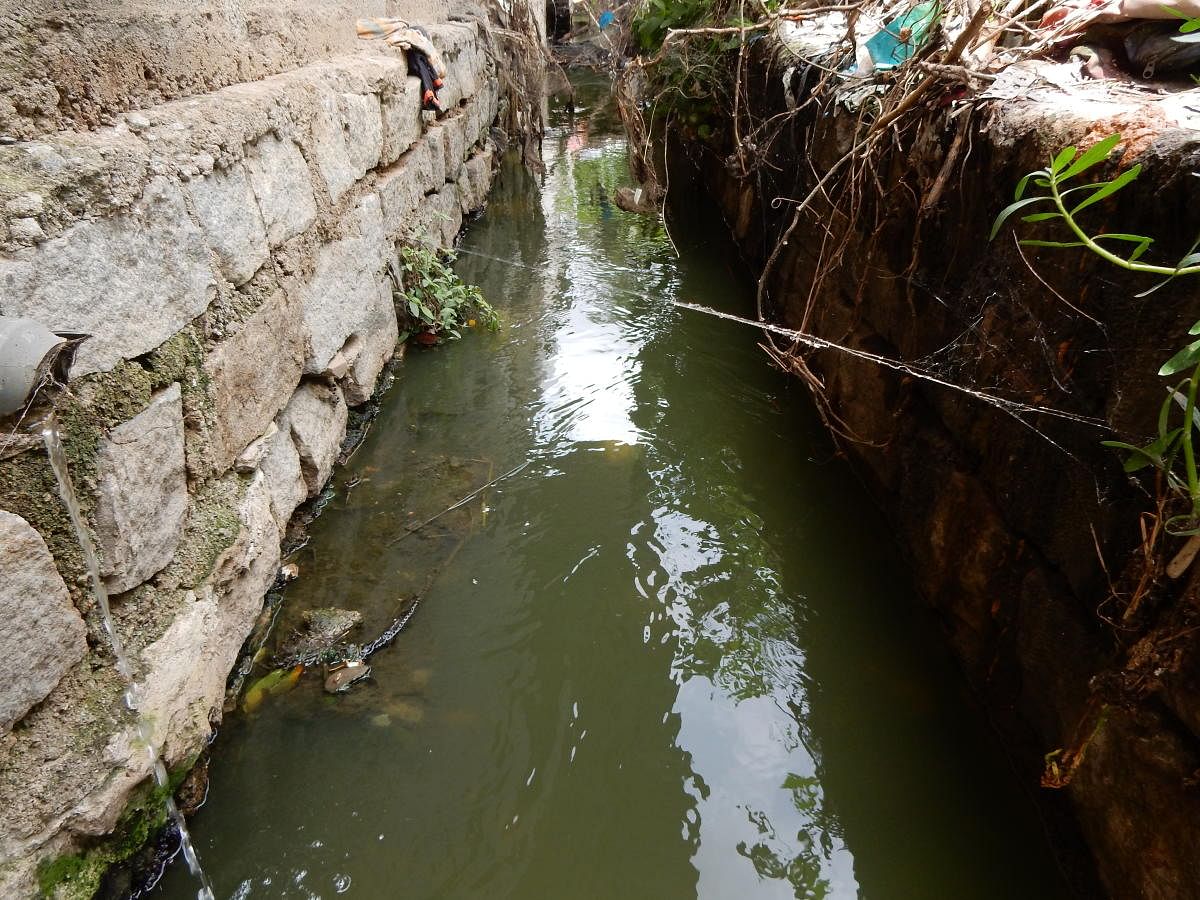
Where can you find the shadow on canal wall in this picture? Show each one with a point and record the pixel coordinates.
(1023, 534)
(229, 254)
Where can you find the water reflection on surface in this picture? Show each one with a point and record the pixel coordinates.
(671, 658)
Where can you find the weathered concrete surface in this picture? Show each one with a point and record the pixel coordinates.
(401, 129)
(250, 377)
(180, 688)
(401, 189)
(316, 420)
(1005, 522)
(232, 223)
(143, 496)
(445, 217)
(279, 177)
(284, 475)
(375, 348)
(342, 298)
(475, 180)
(131, 282)
(230, 287)
(80, 64)
(186, 668)
(43, 634)
(348, 139)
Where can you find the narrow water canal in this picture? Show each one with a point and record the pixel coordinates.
(672, 657)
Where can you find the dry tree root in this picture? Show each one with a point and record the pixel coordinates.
(514, 45)
(853, 189)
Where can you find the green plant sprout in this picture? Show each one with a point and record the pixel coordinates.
(433, 302)
(1173, 450)
(1066, 165)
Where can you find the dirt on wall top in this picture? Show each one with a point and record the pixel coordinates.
(80, 63)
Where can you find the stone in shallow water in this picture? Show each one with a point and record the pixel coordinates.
(43, 634)
(406, 711)
(319, 630)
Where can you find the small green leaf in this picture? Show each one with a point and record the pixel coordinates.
(1098, 152)
(1150, 455)
(1143, 243)
(1186, 358)
(1181, 401)
(1033, 243)
(1109, 188)
(1182, 526)
(1117, 236)
(1065, 155)
(1161, 446)
(1041, 217)
(1137, 459)
(1009, 210)
(1164, 413)
(1195, 329)
(1150, 290)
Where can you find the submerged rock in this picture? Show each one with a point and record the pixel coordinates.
(340, 678)
(320, 630)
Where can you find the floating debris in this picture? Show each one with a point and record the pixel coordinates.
(274, 683)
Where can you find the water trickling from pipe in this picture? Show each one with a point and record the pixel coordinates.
(58, 462)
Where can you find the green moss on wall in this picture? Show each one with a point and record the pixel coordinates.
(77, 876)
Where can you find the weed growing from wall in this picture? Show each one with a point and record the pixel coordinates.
(1052, 195)
(1172, 451)
(432, 302)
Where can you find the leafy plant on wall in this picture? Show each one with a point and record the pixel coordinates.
(433, 302)
(1055, 194)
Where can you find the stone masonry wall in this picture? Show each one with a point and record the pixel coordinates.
(229, 253)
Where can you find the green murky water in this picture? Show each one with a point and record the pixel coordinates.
(672, 657)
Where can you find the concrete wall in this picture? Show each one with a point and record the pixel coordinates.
(228, 250)
(80, 63)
